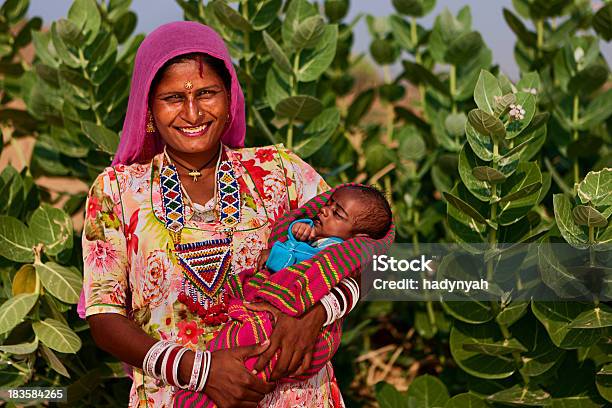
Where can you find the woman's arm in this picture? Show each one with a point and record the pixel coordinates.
(229, 382)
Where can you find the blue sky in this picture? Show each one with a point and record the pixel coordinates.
(486, 16)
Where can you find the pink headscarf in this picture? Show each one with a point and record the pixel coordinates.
(166, 42)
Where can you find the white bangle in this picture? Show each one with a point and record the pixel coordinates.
(343, 309)
(195, 371)
(328, 310)
(175, 367)
(152, 356)
(335, 304)
(206, 370)
(354, 288)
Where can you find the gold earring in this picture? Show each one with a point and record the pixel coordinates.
(150, 123)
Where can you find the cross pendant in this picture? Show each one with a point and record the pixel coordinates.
(195, 174)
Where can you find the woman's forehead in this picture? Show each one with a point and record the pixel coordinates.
(190, 70)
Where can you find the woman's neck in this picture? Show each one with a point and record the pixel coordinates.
(195, 160)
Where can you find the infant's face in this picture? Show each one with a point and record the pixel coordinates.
(338, 216)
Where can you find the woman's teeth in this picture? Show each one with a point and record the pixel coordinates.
(193, 130)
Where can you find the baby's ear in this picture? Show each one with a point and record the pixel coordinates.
(361, 234)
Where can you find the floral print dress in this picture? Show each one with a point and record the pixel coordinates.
(130, 269)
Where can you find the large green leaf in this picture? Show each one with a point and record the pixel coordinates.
(85, 14)
(596, 188)
(389, 397)
(15, 309)
(556, 317)
(230, 17)
(487, 89)
(16, 242)
(597, 111)
(318, 132)
(542, 355)
(104, 138)
(308, 33)
(588, 216)
(466, 400)
(529, 82)
(556, 276)
(573, 233)
(360, 106)
(475, 363)
(604, 382)
(63, 283)
(524, 184)
(465, 228)
(52, 227)
(482, 145)
(298, 11)
(528, 102)
(313, 63)
(277, 87)
(411, 143)
(467, 163)
(54, 362)
(498, 348)
(277, 54)
(602, 23)
(512, 313)
(598, 317)
(463, 48)
(464, 207)
(589, 79)
(428, 391)
(522, 396)
(487, 124)
(57, 336)
(264, 13)
(22, 348)
(301, 107)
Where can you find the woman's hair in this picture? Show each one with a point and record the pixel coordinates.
(216, 64)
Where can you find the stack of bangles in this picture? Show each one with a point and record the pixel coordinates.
(341, 300)
(170, 355)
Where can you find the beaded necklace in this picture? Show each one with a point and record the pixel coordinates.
(205, 264)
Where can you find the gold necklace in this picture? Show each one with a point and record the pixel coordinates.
(195, 173)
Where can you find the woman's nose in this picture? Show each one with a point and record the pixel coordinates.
(191, 111)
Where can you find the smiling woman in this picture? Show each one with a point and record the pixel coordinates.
(176, 221)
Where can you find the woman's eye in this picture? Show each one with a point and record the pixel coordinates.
(173, 98)
(206, 93)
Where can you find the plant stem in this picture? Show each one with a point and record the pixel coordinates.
(290, 134)
(575, 135)
(390, 110)
(453, 87)
(294, 85)
(540, 36)
(591, 242)
(414, 37)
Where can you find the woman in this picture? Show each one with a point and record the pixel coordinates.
(181, 187)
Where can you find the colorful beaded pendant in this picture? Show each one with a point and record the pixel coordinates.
(205, 264)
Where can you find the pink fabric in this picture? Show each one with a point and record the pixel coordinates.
(161, 45)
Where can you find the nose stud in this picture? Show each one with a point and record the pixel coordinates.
(200, 113)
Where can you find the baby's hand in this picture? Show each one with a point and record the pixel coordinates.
(302, 231)
(262, 258)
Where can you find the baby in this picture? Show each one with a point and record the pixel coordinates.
(351, 211)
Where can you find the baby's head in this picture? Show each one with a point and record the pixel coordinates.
(354, 211)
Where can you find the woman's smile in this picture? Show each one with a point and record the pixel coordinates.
(196, 131)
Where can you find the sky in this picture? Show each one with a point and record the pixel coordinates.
(487, 18)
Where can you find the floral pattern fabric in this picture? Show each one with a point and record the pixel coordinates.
(129, 267)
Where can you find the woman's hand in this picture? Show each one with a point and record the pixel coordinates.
(230, 384)
(262, 259)
(295, 337)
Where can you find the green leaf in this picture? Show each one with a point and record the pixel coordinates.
(488, 174)
(518, 395)
(298, 11)
(15, 309)
(411, 143)
(498, 348)
(69, 32)
(16, 242)
(527, 37)
(502, 103)
(487, 88)
(428, 391)
(308, 33)
(85, 14)
(487, 124)
(277, 54)
(604, 382)
(511, 313)
(588, 80)
(596, 188)
(467, 163)
(464, 207)
(104, 138)
(277, 87)
(418, 74)
(389, 397)
(465, 400)
(62, 50)
(455, 124)
(527, 177)
(463, 48)
(52, 227)
(264, 14)
(57, 336)
(301, 107)
(463, 226)
(572, 233)
(22, 348)
(602, 23)
(53, 361)
(598, 111)
(529, 83)
(475, 363)
(63, 283)
(318, 132)
(556, 317)
(588, 216)
(556, 276)
(359, 107)
(542, 355)
(230, 17)
(598, 317)
(481, 145)
(316, 61)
